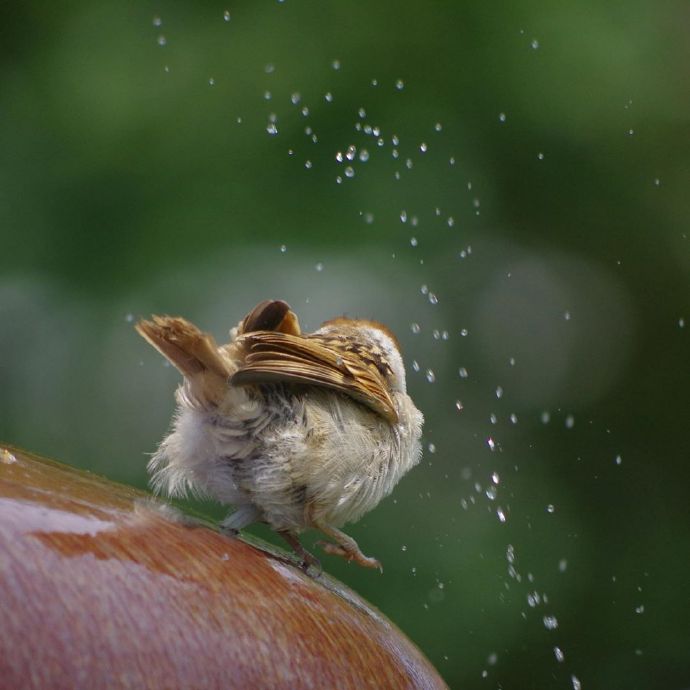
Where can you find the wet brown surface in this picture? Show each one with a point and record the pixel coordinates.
(101, 586)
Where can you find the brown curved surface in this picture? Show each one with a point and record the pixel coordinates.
(101, 586)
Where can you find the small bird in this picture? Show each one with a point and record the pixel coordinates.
(300, 431)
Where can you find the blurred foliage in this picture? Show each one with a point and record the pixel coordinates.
(524, 218)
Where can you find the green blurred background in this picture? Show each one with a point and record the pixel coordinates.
(516, 208)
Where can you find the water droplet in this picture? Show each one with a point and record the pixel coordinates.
(511, 361)
(415, 328)
(413, 241)
(639, 609)
(157, 21)
(458, 405)
(295, 97)
(431, 447)
(550, 508)
(226, 15)
(399, 84)
(495, 478)
(540, 156)
(493, 418)
(283, 248)
(492, 659)
(681, 322)
(501, 117)
(619, 460)
(491, 443)
(550, 622)
(562, 565)
(450, 221)
(7, 457)
(451, 160)
(305, 111)
(430, 376)
(567, 316)
(500, 514)
(162, 40)
(423, 147)
(267, 95)
(129, 318)
(433, 299)
(415, 365)
(409, 164)
(513, 418)
(368, 218)
(463, 373)
(336, 65)
(535, 44)
(464, 332)
(364, 155)
(269, 68)
(576, 682)
(560, 657)
(211, 81)
(569, 421)
(545, 417)
(438, 126)
(491, 493)
(533, 599)
(403, 548)
(499, 392)
(319, 267)
(271, 128)
(657, 182)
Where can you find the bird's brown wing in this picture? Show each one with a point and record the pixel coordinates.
(271, 315)
(272, 357)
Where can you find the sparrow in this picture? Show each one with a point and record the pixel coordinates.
(296, 430)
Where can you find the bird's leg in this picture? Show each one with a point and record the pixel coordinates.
(345, 547)
(307, 558)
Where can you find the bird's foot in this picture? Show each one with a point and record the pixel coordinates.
(307, 559)
(350, 554)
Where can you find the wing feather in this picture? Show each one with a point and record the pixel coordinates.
(273, 357)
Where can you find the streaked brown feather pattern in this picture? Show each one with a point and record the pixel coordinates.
(338, 363)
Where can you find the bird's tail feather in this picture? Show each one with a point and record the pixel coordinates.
(193, 352)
